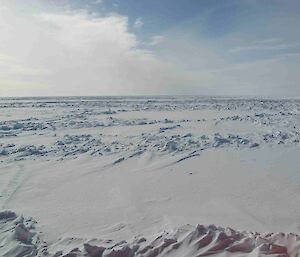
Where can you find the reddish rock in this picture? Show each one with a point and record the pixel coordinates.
(278, 249)
(125, 251)
(205, 240)
(94, 251)
(22, 234)
(246, 246)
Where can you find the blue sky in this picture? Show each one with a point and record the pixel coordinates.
(228, 47)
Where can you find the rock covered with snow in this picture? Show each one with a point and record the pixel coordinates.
(18, 237)
(189, 241)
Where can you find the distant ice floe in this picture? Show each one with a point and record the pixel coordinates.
(58, 122)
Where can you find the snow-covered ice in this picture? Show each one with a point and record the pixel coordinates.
(124, 176)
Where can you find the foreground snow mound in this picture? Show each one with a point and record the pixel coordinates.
(189, 241)
(18, 238)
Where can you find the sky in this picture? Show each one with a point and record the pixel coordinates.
(149, 47)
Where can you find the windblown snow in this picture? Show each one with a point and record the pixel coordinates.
(133, 176)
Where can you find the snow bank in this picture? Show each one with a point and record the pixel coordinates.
(19, 238)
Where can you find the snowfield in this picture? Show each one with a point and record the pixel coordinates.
(135, 176)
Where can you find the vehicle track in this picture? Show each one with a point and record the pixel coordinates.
(13, 185)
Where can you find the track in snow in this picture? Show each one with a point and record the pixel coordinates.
(12, 186)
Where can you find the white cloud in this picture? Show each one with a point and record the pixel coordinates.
(138, 23)
(98, 1)
(155, 40)
(269, 44)
(77, 54)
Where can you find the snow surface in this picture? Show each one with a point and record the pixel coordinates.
(96, 172)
